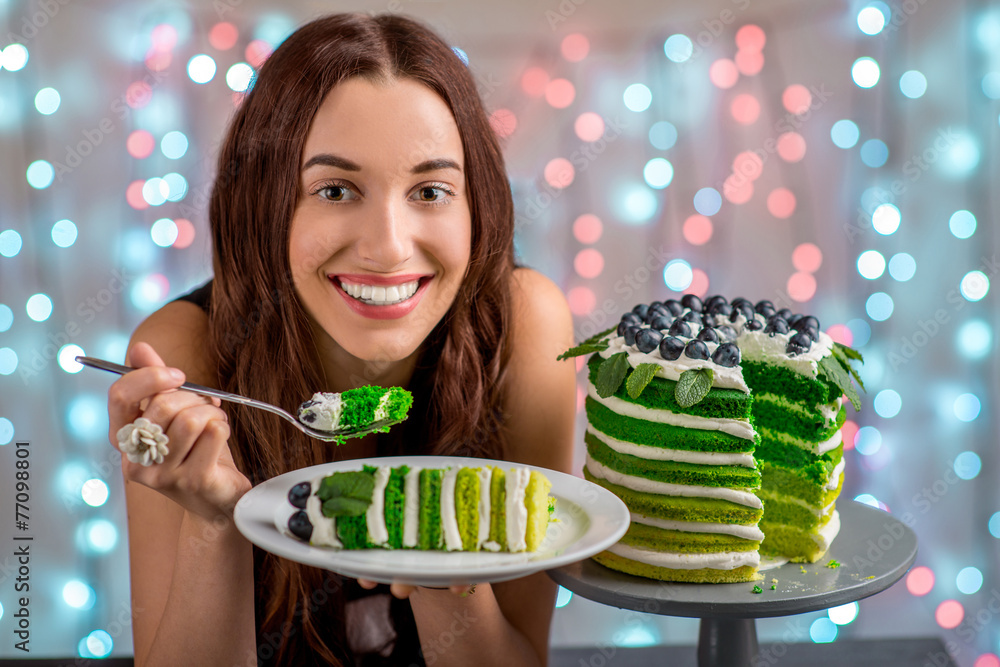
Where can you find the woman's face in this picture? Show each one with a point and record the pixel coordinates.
(380, 239)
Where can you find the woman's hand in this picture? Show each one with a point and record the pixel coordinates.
(198, 473)
(403, 591)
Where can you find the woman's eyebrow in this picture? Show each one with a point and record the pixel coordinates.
(331, 160)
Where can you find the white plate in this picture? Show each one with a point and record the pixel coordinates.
(589, 520)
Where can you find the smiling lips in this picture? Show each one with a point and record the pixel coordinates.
(381, 297)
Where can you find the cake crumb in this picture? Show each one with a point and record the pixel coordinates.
(773, 587)
(773, 580)
(802, 569)
(833, 564)
(758, 589)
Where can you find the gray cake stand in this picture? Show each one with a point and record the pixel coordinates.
(873, 548)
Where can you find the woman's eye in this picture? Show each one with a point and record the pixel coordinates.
(336, 193)
(431, 194)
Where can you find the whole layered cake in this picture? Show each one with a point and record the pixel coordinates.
(718, 423)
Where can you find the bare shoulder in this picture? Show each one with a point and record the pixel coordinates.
(540, 391)
(179, 333)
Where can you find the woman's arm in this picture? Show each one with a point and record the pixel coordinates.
(508, 623)
(191, 571)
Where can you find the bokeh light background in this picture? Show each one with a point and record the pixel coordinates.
(836, 158)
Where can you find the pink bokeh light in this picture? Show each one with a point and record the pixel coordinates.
(575, 47)
(587, 228)
(581, 300)
(534, 80)
(185, 233)
(949, 614)
(842, 334)
(559, 172)
(697, 230)
(699, 283)
(801, 287)
(257, 52)
(140, 144)
(223, 36)
(750, 38)
(848, 432)
(133, 195)
(749, 63)
(560, 93)
(748, 164)
(589, 263)
(589, 126)
(745, 109)
(737, 189)
(723, 73)
(920, 581)
(791, 147)
(503, 122)
(807, 257)
(781, 203)
(796, 98)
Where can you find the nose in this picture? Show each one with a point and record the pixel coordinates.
(385, 239)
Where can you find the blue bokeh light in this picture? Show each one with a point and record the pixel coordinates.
(969, 580)
(874, 153)
(177, 186)
(637, 97)
(886, 219)
(902, 266)
(871, 20)
(14, 57)
(663, 135)
(164, 232)
(962, 224)
(174, 144)
(845, 134)
(635, 204)
(240, 76)
(64, 233)
(563, 597)
(10, 243)
(867, 441)
(678, 48)
(865, 72)
(636, 636)
(844, 614)
(98, 644)
(707, 201)
(99, 536)
(991, 85)
(201, 68)
(658, 173)
(6, 431)
(47, 101)
(77, 594)
(67, 358)
(879, 306)
(861, 331)
(87, 417)
(462, 55)
(993, 525)
(40, 174)
(961, 158)
(888, 403)
(823, 630)
(8, 361)
(968, 465)
(6, 317)
(967, 407)
(871, 264)
(39, 307)
(913, 84)
(677, 275)
(974, 286)
(974, 339)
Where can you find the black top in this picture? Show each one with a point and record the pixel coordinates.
(360, 604)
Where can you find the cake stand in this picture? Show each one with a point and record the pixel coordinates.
(873, 548)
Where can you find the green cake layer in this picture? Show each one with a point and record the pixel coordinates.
(353, 532)
(769, 416)
(467, 507)
(654, 434)
(770, 379)
(681, 508)
(430, 510)
(673, 472)
(697, 576)
(394, 500)
(793, 543)
(659, 395)
(650, 537)
(359, 405)
(813, 467)
(780, 510)
(536, 500)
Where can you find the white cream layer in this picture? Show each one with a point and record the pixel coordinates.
(828, 531)
(327, 411)
(651, 453)
(834, 480)
(724, 377)
(485, 505)
(449, 521)
(828, 411)
(324, 533)
(759, 346)
(378, 534)
(724, 560)
(411, 507)
(745, 532)
(515, 482)
(740, 428)
(382, 411)
(798, 501)
(643, 485)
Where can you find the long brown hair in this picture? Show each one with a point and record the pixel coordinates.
(260, 333)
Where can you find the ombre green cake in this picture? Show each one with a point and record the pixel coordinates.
(715, 421)
(407, 507)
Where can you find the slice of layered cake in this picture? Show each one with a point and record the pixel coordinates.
(407, 507)
(369, 407)
(715, 421)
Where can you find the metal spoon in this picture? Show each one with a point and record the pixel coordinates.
(337, 435)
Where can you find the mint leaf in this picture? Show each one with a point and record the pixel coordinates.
(592, 344)
(581, 349)
(346, 493)
(640, 377)
(611, 373)
(848, 352)
(845, 361)
(693, 385)
(836, 374)
(341, 506)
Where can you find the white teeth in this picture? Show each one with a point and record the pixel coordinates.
(381, 296)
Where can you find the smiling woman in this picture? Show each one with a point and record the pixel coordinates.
(362, 228)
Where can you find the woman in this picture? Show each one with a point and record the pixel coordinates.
(362, 157)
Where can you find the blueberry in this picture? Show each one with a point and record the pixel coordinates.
(776, 325)
(812, 333)
(622, 326)
(693, 302)
(793, 318)
(715, 300)
(744, 309)
(630, 334)
(299, 494)
(647, 339)
(671, 348)
(707, 320)
(805, 322)
(631, 318)
(754, 325)
(691, 316)
(696, 349)
(656, 304)
(661, 322)
(657, 311)
(300, 525)
(739, 301)
(726, 333)
(641, 310)
(727, 355)
(798, 344)
(765, 308)
(708, 335)
(784, 313)
(674, 306)
(680, 328)
(721, 309)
